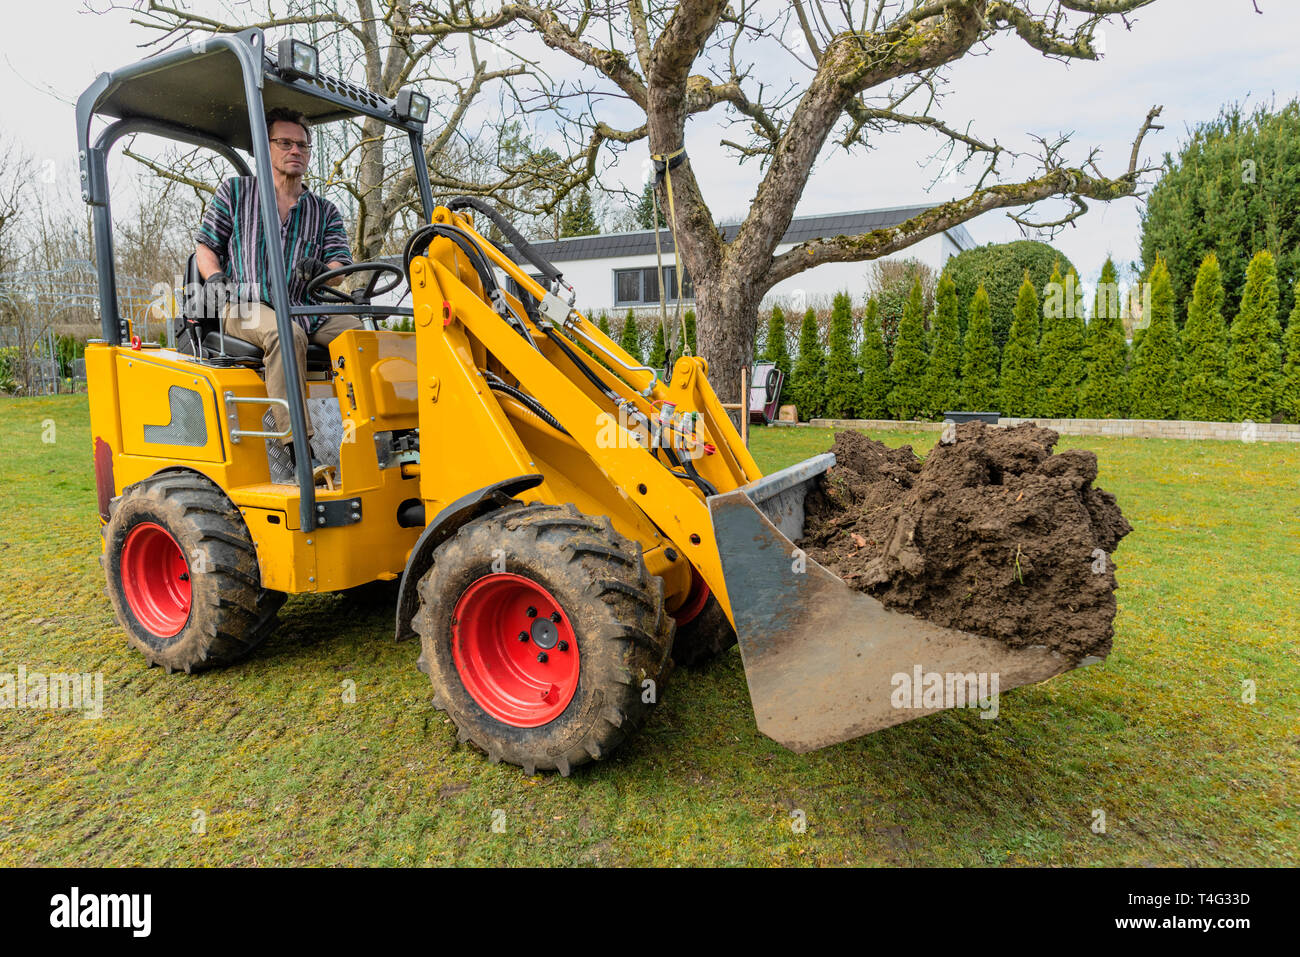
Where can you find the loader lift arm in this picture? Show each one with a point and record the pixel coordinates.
(610, 412)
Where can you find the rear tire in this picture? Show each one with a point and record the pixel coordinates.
(703, 629)
(182, 574)
(598, 618)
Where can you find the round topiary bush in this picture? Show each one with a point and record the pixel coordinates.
(1001, 267)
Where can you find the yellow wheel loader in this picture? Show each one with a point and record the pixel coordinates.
(561, 521)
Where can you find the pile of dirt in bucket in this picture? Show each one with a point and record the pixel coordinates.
(992, 534)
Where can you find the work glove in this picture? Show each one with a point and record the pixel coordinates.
(217, 294)
(309, 267)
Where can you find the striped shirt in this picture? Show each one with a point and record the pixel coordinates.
(232, 228)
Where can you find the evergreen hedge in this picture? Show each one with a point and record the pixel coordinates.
(908, 370)
(943, 373)
(1018, 387)
(1105, 353)
(807, 386)
(842, 376)
(1155, 386)
(979, 371)
(1255, 355)
(1205, 349)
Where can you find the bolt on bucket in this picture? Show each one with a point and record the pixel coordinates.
(825, 663)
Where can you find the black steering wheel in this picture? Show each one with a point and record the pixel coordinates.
(319, 290)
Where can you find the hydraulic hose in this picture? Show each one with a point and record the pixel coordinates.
(497, 384)
(419, 241)
(704, 484)
(482, 267)
(594, 379)
(508, 230)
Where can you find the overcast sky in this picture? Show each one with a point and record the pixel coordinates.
(1192, 56)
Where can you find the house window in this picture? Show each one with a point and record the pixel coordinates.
(640, 287)
(530, 304)
(517, 290)
(627, 282)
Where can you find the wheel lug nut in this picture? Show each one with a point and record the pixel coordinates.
(531, 612)
(541, 656)
(555, 617)
(523, 636)
(563, 646)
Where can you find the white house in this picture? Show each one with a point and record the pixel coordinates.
(617, 271)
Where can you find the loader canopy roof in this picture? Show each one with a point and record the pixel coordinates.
(201, 88)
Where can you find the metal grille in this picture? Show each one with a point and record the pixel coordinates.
(187, 426)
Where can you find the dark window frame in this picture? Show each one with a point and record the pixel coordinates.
(648, 286)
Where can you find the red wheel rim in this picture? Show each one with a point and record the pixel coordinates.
(521, 668)
(695, 600)
(156, 579)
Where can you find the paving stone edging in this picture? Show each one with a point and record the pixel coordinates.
(1128, 428)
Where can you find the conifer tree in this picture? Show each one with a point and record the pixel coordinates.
(943, 374)
(979, 370)
(688, 319)
(658, 349)
(1289, 402)
(1060, 364)
(908, 370)
(630, 340)
(1105, 355)
(873, 393)
(807, 390)
(1255, 355)
(777, 351)
(603, 325)
(1156, 383)
(1019, 383)
(843, 378)
(1205, 349)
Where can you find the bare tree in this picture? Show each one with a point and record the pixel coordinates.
(857, 70)
(477, 143)
(16, 171)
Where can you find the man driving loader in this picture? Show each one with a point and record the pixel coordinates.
(314, 238)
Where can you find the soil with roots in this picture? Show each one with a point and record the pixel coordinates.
(992, 534)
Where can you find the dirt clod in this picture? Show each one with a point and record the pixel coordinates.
(992, 534)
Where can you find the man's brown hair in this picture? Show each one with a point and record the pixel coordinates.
(282, 114)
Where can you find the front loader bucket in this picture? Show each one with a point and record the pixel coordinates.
(826, 663)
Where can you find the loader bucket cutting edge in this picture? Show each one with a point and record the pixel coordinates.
(820, 658)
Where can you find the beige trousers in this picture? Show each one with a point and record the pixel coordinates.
(257, 326)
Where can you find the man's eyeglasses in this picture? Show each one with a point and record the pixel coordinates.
(287, 144)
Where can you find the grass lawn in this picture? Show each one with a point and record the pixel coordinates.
(282, 771)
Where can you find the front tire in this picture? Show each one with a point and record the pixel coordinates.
(182, 574)
(544, 636)
(703, 630)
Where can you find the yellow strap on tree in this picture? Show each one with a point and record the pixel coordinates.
(659, 262)
(666, 159)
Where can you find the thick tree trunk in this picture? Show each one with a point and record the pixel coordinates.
(371, 225)
(726, 323)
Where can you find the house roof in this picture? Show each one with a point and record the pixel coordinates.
(801, 229)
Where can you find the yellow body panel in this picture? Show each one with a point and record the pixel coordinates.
(131, 390)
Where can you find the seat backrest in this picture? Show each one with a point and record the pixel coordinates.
(194, 306)
(194, 309)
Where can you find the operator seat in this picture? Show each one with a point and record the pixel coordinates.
(198, 332)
